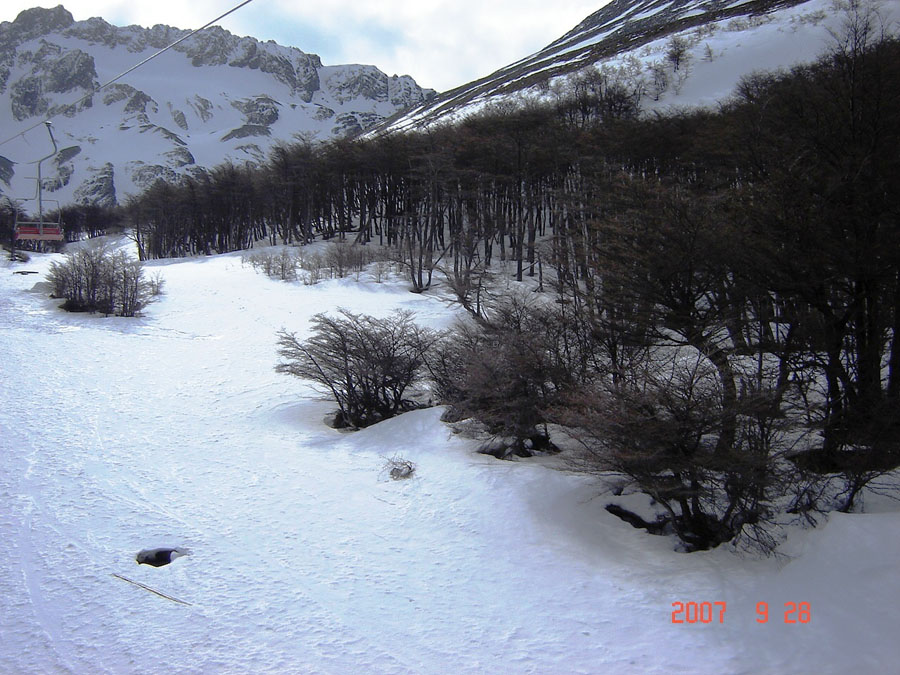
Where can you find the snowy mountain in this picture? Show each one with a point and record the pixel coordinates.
(630, 39)
(212, 98)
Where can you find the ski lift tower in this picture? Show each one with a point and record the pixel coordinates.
(40, 229)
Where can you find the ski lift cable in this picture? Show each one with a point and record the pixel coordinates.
(124, 73)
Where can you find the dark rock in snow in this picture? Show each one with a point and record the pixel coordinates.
(159, 557)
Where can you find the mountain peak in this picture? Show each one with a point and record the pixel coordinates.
(31, 23)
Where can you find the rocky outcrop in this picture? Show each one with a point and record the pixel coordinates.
(351, 124)
(26, 98)
(323, 113)
(33, 23)
(139, 102)
(247, 130)
(202, 107)
(162, 131)
(64, 168)
(146, 175)
(6, 170)
(260, 110)
(403, 92)
(72, 70)
(346, 125)
(97, 31)
(260, 113)
(300, 73)
(179, 157)
(99, 189)
(367, 82)
(50, 70)
(253, 152)
(66, 154)
(179, 118)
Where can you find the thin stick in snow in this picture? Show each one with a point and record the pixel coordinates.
(152, 590)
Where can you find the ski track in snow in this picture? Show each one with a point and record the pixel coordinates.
(172, 429)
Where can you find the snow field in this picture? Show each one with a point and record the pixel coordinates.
(173, 429)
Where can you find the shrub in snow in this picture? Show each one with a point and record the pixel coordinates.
(344, 258)
(366, 363)
(290, 264)
(156, 283)
(97, 279)
(505, 371)
(282, 265)
(660, 426)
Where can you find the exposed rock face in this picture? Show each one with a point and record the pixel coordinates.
(192, 105)
(179, 157)
(368, 83)
(146, 175)
(179, 118)
(300, 74)
(260, 110)
(66, 154)
(324, 113)
(247, 130)
(403, 92)
(99, 189)
(350, 124)
(201, 107)
(6, 170)
(138, 103)
(72, 70)
(347, 125)
(64, 168)
(32, 23)
(26, 98)
(97, 31)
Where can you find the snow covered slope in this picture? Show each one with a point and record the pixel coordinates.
(724, 40)
(173, 429)
(213, 97)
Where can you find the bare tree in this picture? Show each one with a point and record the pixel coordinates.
(676, 51)
(96, 279)
(506, 369)
(658, 427)
(366, 363)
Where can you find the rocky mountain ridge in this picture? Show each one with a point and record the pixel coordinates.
(213, 97)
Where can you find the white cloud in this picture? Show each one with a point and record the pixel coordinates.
(442, 44)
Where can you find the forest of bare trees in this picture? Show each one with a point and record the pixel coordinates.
(721, 289)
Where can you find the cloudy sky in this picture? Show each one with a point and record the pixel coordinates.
(441, 43)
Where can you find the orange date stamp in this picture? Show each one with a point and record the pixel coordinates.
(714, 612)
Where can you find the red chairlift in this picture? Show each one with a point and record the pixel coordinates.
(41, 229)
